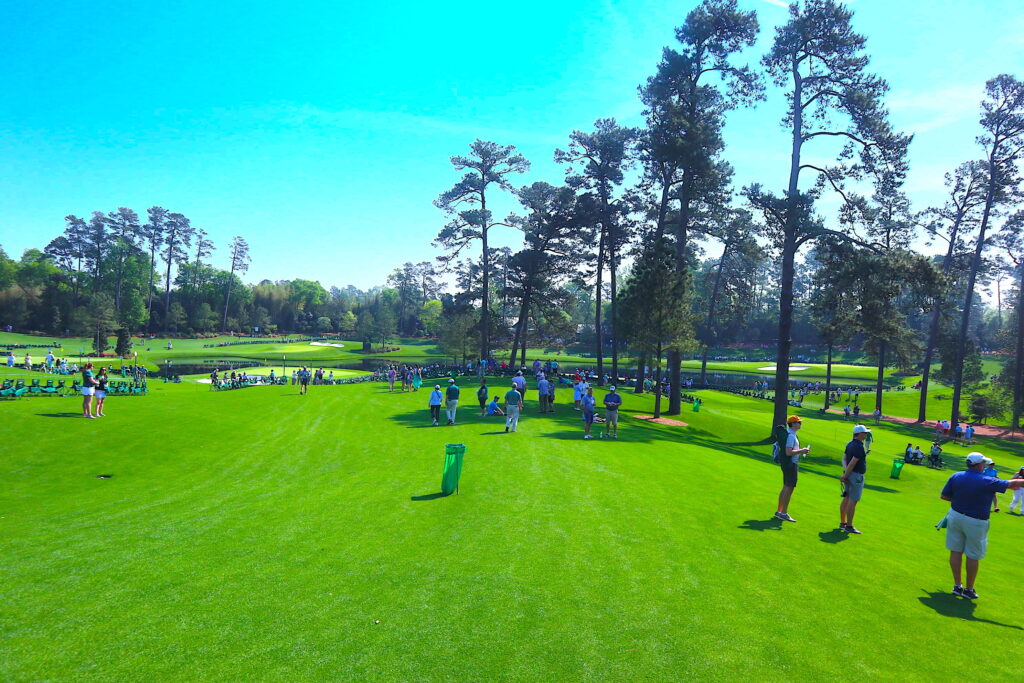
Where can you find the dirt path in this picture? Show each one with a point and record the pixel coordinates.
(990, 431)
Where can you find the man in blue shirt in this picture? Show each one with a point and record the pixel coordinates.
(588, 404)
(970, 495)
(612, 401)
(436, 397)
(544, 392)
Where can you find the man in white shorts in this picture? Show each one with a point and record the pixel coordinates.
(970, 495)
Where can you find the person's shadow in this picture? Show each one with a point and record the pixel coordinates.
(833, 536)
(761, 524)
(949, 605)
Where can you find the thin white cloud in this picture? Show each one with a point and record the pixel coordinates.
(926, 110)
(777, 3)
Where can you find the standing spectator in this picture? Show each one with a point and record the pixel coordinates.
(855, 466)
(452, 400)
(846, 412)
(101, 391)
(612, 402)
(481, 397)
(544, 393)
(304, 375)
(1018, 494)
(435, 403)
(391, 379)
(958, 433)
(790, 463)
(88, 390)
(10, 359)
(588, 405)
(991, 471)
(28, 361)
(577, 393)
(970, 495)
(969, 434)
(552, 383)
(513, 404)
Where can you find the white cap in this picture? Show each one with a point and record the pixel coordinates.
(861, 429)
(437, 386)
(451, 381)
(611, 388)
(976, 458)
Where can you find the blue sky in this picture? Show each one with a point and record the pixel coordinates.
(321, 131)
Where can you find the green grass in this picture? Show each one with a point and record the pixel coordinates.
(259, 534)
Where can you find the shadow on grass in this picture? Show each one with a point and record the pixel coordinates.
(834, 536)
(761, 524)
(959, 608)
(60, 415)
(428, 496)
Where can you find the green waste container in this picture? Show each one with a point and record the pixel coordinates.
(453, 453)
(696, 406)
(897, 467)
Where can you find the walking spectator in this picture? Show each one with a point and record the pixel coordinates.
(513, 404)
(790, 463)
(436, 397)
(577, 393)
(969, 434)
(544, 393)
(855, 467)
(970, 495)
(452, 400)
(1018, 494)
(101, 391)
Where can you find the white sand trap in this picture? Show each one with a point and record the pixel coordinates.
(792, 368)
(337, 346)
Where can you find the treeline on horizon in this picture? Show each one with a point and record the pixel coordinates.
(645, 244)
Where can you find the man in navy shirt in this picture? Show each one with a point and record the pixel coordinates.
(970, 495)
(612, 401)
(854, 468)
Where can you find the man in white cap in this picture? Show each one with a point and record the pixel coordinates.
(970, 496)
(451, 396)
(854, 468)
(436, 397)
(612, 401)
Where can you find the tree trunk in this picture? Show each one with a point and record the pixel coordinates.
(881, 376)
(712, 304)
(657, 390)
(614, 316)
(485, 317)
(789, 246)
(167, 289)
(933, 329)
(149, 302)
(828, 379)
(639, 388)
(227, 295)
(965, 318)
(1018, 375)
(597, 307)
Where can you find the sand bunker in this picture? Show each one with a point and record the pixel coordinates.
(337, 346)
(792, 368)
(661, 420)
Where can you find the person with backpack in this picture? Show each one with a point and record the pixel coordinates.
(787, 455)
(481, 396)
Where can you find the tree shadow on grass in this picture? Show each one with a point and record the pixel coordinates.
(761, 524)
(959, 608)
(833, 536)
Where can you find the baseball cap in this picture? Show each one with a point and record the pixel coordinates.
(861, 429)
(976, 458)
(437, 386)
(793, 418)
(451, 381)
(611, 388)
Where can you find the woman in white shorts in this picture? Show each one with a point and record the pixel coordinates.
(88, 390)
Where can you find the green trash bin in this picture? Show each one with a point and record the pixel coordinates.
(453, 453)
(897, 467)
(696, 406)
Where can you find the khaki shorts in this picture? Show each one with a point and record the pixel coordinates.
(966, 535)
(612, 417)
